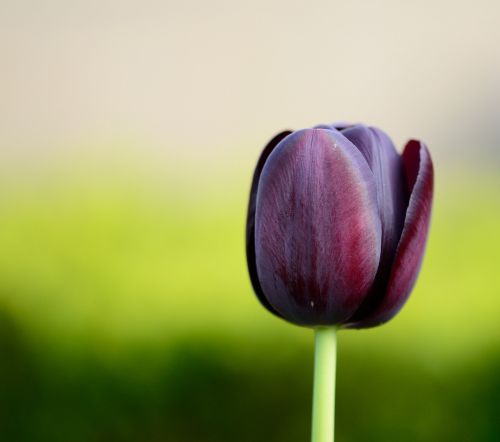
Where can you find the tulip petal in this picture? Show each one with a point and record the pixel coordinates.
(420, 181)
(250, 229)
(317, 231)
(387, 167)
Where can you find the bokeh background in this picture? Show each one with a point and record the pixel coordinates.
(128, 135)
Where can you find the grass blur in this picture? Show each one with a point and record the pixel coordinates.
(126, 314)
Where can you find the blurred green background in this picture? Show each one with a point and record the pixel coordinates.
(128, 136)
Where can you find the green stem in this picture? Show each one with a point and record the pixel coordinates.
(323, 418)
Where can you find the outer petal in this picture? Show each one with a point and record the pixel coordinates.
(317, 231)
(387, 167)
(250, 228)
(420, 180)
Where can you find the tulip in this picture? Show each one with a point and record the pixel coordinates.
(337, 225)
(336, 229)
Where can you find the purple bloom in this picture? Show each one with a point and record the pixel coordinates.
(337, 225)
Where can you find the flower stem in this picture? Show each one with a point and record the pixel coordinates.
(323, 418)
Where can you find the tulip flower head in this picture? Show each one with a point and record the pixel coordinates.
(337, 225)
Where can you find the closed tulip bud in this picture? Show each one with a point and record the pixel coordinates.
(337, 225)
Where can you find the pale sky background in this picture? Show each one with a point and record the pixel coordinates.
(206, 79)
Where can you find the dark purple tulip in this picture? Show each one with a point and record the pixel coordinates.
(337, 225)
